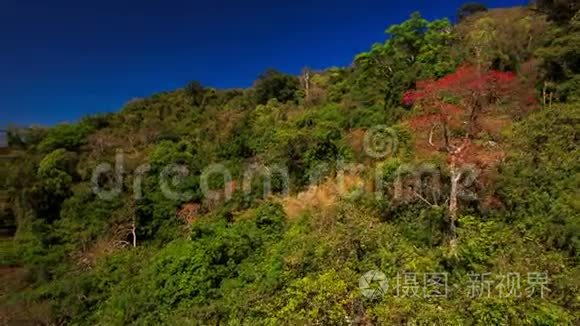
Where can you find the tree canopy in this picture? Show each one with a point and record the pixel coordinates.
(469, 9)
(273, 84)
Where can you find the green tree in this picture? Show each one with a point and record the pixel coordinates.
(276, 85)
(196, 92)
(560, 61)
(502, 39)
(560, 11)
(67, 136)
(539, 190)
(469, 9)
(416, 48)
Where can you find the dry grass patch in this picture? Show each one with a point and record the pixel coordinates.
(323, 196)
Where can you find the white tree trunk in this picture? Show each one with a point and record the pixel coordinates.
(456, 174)
(453, 202)
(134, 234)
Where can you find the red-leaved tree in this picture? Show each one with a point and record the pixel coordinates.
(449, 112)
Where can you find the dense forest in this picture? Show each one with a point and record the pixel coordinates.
(434, 181)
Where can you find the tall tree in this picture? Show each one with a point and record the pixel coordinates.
(454, 106)
(560, 59)
(196, 92)
(469, 9)
(559, 11)
(416, 49)
(502, 39)
(274, 84)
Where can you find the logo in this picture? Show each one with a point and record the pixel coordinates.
(380, 142)
(373, 284)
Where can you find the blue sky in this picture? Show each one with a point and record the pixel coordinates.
(61, 60)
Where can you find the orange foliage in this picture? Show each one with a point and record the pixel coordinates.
(189, 212)
(475, 95)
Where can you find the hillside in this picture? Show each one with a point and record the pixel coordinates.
(434, 181)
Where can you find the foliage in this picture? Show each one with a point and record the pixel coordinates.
(538, 190)
(67, 136)
(560, 11)
(502, 39)
(197, 93)
(469, 9)
(275, 85)
(416, 48)
(144, 257)
(477, 93)
(560, 61)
